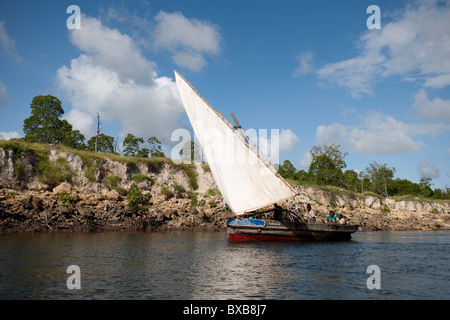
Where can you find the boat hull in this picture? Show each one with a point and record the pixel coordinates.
(272, 230)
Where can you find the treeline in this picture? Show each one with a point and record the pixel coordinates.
(46, 126)
(327, 168)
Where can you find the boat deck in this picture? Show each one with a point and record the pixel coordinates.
(274, 230)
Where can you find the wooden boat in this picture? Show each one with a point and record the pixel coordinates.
(272, 230)
(246, 179)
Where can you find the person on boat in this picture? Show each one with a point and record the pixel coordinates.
(277, 212)
(341, 219)
(331, 217)
(310, 214)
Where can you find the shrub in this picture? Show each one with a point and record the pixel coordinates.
(54, 173)
(166, 192)
(67, 201)
(179, 188)
(385, 210)
(139, 177)
(137, 201)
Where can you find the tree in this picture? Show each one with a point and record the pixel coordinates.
(45, 126)
(131, 145)
(71, 138)
(327, 162)
(380, 176)
(192, 151)
(287, 170)
(350, 180)
(364, 180)
(105, 143)
(426, 184)
(143, 153)
(137, 201)
(155, 145)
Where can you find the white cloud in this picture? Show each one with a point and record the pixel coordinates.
(112, 77)
(377, 134)
(9, 135)
(428, 169)
(305, 65)
(109, 49)
(306, 161)
(188, 40)
(288, 140)
(437, 109)
(4, 96)
(7, 44)
(414, 45)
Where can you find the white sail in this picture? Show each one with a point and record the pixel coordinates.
(246, 180)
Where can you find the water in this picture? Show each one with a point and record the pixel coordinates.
(194, 266)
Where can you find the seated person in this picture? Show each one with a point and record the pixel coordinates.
(331, 218)
(277, 212)
(341, 219)
(311, 216)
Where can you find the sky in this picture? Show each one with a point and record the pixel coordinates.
(306, 72)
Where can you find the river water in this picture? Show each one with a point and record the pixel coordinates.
(204, 266)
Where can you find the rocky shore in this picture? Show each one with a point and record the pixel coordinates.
(92, 197)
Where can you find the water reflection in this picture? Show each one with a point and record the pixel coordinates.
(184, 265)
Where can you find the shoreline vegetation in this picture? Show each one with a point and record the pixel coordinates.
(52, 180)
(55, 188)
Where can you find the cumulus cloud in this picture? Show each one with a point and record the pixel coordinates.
(437, 109)
(9, 135)
(188, 40)
(305, 64)
(377, 134)
(111, 76)
(288, 140)
(427, 169)
(7, 44)
(306, 161)
(415, 44)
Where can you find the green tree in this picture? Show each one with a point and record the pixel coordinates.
(45, 126)
(137, 201)
(364, 181)
(327, 162)
(155, 145)
(380, 177)
(425, 183)
(302, 175)
(105, 143)
(71, 138)
(143, 153)
(287, 170)
(192, 151)
(131, 145)
(350, 180)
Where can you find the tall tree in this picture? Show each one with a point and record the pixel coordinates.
(105, 143)
(155, 145)
(287, 170)
(45, 126)
(69, 137)
(131, 145)
(327, 162)
(381, 177)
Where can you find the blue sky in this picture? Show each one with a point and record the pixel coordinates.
(310, 69)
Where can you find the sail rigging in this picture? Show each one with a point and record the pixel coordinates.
(246, 180)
